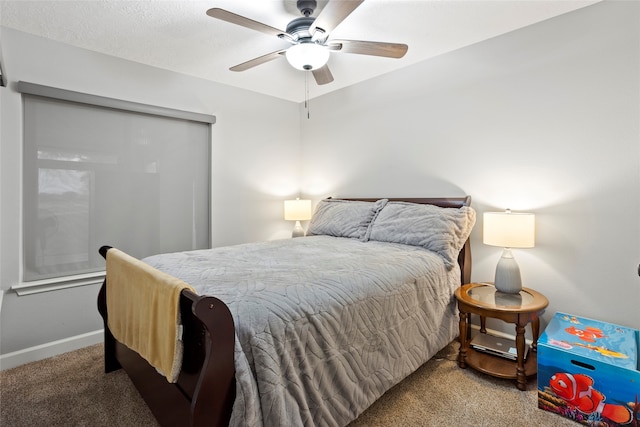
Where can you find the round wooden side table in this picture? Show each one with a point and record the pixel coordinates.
(484, 300)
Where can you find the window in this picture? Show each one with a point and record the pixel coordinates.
(97, 175)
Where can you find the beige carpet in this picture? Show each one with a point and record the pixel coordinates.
(72, 390)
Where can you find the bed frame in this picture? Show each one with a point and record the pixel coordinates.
(205, 390)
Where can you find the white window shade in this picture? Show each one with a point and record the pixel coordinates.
(98, 176)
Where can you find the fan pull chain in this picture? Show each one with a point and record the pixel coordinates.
(306, 94)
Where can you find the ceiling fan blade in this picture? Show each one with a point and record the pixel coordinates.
(333, 14)
(322, 75)
(388, 50)
(259, 60)
(233, 18)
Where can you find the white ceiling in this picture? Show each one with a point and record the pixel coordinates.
(179, 36)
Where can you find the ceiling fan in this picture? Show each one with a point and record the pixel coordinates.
(309, 38)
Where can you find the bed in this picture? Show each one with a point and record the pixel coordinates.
(305, 331)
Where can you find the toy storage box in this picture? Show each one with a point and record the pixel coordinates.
(588, 371)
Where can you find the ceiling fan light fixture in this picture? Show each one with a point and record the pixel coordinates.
(307, 56)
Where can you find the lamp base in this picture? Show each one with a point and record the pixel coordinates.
(508, 274)
(298, 231)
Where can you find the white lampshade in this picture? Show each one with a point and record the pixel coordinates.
(307, 56)
(297, 210)
(509, 230)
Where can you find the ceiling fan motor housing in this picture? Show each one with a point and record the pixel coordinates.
(299, 28)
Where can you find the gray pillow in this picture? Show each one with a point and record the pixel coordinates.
(441, 230)
(344, 218)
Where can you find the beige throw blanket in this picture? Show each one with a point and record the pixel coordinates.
(143, 311)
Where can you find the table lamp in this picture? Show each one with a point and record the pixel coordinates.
(508, 230)
(297, 210)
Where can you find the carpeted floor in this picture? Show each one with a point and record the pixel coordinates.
(72, 390)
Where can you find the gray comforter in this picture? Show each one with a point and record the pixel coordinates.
(324, 325)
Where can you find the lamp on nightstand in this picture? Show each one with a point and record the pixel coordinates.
(297, 210)
(508, 230)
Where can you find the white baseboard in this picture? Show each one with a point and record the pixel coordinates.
(44, 351)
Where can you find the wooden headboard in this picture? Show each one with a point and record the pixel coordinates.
(464, 258)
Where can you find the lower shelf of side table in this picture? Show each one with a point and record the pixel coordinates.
(500, 367)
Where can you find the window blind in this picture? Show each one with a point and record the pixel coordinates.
(105, 175)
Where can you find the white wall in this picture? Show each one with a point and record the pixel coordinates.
(544, 119)
(255, 149)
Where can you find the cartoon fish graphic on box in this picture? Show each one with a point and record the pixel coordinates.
(577, 390)
(587, 334)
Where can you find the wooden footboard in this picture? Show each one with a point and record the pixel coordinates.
(205, 390)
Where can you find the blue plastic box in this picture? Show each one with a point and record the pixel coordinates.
(588, 371)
